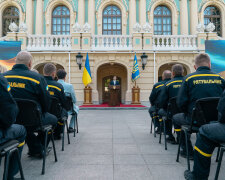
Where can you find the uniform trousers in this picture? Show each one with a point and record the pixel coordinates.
(169, 124)
(36, 142)
(179, 120)
(209, 137)
(151, 111)
(14, 132)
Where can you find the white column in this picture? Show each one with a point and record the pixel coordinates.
(132, 13)
(142, 12)
(39, 17)
(91, 15)
(183, 17)
(193, 15)
(29, 16)
(81, 15)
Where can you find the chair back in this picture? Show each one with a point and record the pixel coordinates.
(69, 103)
(172, 107)
(56, 107)
(205, 111)
(29, 113)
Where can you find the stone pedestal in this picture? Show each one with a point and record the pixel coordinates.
(135, 95)
(76, 40)
(212, 36)
(201, 41)
(86, 41)
(11, 36)
(147, 38)
(22, 36)
(137, 41)
(87, 95)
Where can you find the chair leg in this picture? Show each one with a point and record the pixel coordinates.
(74, 133)
(178, 151)
(164, 123)
(160, 132)
(151, 126)
(6, 166)
(77, 123)
(53, 144)
(63, 136)
(219, 163)
(187, 150)
(68, 134)
(45, 148)
(154, 120)
(20, 165)
(218, 153)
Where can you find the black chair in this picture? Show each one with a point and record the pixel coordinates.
(71, 108)
(30, 117)
(221, 152)
(172, 109)
(56, 109)
(204, 112)
(6, 150)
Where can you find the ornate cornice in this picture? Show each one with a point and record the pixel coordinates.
(69, 1)
(100, 1)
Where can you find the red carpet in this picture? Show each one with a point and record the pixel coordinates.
(106, 105)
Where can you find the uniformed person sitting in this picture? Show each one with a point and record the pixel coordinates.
(153, 98)
(26, 84)
(200, 84)
(55, 89)
(209, 136)
(169, 91)
(9, 130)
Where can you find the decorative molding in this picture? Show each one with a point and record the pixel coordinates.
(209, 1)
(161, 1)
(17, 1)
(69, 1)
(99, 2)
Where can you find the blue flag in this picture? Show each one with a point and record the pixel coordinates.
(135, 72)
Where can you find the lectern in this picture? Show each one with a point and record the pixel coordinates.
(114, 95)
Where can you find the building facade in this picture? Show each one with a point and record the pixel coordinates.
(112, 31)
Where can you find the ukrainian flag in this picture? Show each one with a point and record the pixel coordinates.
(135, 72)
(8, 52)
(87, 72)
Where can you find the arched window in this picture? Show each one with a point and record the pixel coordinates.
(10, 14)
(162, 21)
(61, 20)
(111, 21)
(212, 14)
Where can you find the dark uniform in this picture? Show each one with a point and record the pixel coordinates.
(209, 136)
(153, 98)
(200, 84)
(56, 89)
(27, 84)
(169, 91)
(9, 130)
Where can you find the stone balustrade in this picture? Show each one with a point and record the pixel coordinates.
(135, 42)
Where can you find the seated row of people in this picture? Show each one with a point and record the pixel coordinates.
(201, 84)
(21, 82)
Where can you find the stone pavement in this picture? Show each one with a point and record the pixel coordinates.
(112, 144)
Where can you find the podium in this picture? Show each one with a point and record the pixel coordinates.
(114, 91)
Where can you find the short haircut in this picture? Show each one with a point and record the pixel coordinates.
(35, 70)
(49, 68)
(2, 69)
(202, 60)
(177, 69)
(167, 74)
(23, 57)
(61, 74)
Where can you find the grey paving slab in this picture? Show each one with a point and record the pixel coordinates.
(112, 145)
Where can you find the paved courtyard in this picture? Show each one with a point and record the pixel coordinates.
(111, 144)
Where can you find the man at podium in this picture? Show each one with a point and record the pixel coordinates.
(114, 88)
(114, 82)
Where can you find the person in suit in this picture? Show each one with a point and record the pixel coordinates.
(114, 82)
(69, 91)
